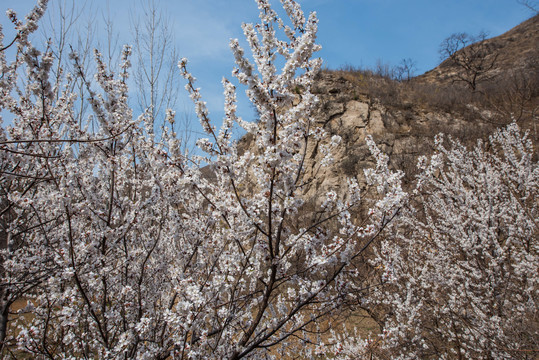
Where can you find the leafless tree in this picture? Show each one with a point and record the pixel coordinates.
(405, 70)
(156, 57)
(531, 5)
(472, 57)
(383, 69)
(72, 27)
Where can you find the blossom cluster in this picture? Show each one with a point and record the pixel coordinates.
(459, 266)
(122, 246)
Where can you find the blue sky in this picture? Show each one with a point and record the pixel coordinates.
(351, 32)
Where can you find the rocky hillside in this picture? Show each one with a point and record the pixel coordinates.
(515, 50)
(404, 117)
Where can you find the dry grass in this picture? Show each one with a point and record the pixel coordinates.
(512, 95)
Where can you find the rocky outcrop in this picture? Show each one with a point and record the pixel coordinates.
(403, 132)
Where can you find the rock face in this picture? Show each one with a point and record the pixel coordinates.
(403, 132)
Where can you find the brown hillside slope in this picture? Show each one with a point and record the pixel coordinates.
(515, 50)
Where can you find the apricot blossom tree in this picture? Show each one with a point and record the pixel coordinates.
(121, 247)
(459, 267)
